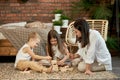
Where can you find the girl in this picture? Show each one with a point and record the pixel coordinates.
(56, 48)
(92, 49)
(23, 58)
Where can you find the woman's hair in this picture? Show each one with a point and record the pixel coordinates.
(83, 27)
(54, 34)
(33, 35)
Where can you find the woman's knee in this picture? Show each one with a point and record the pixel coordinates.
(75, 61)
(81, 67)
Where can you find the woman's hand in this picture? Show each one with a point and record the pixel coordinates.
(88, 72)
(73, 56)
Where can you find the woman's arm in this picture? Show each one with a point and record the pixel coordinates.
(33, 55)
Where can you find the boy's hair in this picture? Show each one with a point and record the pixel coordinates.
(33, 35)
(54, 34)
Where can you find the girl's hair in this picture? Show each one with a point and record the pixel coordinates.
(83, 27)
(53, 34)
(33, 35)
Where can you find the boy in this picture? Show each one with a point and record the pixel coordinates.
(23, 58)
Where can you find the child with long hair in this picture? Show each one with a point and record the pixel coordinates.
(56, 48)
(25, 54)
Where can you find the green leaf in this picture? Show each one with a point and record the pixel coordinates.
(57, 23)
(58, 11)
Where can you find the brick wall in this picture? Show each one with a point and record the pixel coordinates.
(32, 10)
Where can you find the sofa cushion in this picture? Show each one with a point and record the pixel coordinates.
(35, 24)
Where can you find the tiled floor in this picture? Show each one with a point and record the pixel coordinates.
(116, 65)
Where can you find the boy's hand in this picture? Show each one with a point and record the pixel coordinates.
(48, 57)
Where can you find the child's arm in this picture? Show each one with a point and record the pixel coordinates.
(34, 56)
(76, 56)
(67, 54)
(72, 56)
(33, 59)
(47, 51)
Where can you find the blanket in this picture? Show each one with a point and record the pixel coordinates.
(19, 36)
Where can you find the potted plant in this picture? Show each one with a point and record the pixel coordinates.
(57, 13)
(97, 9)
(65, 20)
(57, 25)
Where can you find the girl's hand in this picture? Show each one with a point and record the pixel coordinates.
(71, 56)
(88, 72)
(60, 62)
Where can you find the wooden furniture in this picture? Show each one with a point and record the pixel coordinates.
(99, 25)
(6, 48)
(63, 30)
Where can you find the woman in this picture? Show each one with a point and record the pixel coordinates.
(92, 49)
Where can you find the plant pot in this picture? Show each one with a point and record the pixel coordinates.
(57, 28)
(57, 17)
(65, 23)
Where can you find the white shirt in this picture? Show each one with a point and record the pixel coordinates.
(96, 50)
(21, 55)
(57, 53)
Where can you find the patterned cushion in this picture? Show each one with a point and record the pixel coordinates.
(35, 24)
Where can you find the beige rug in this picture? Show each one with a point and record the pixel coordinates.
(7, 72)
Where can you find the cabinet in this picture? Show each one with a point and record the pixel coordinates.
(6, 48)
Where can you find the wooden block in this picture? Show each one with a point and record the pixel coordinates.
(63, 69)
(54, 62)
(66, 68)
(55, 68)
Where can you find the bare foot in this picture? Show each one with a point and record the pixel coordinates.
(49, 69)
(25, 71)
